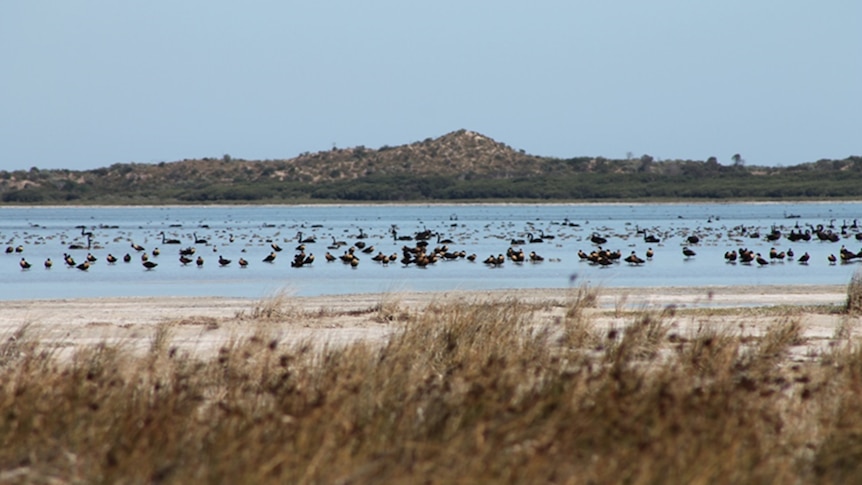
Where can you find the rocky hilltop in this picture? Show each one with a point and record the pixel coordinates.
(463, 152)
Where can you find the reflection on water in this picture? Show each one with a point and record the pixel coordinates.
(555, 232)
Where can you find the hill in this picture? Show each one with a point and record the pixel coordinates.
(458, 165)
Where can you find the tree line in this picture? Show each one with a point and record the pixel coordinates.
(605, 180)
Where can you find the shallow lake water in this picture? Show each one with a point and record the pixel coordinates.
(234, 232)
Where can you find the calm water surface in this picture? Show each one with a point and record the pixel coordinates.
(233, 232)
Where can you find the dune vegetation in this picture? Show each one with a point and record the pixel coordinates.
(458, 166)
(468, 392)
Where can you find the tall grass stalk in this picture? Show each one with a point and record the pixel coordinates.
(854, 292)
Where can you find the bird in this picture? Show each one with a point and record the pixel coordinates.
(298, 261)
(185, 260)
(223, 261)
(832, 259)
(156, 252)
(84, 266)
(688, 252)
(309, 239)
(199, 262)
(137, 247)
(761, 260)
(149, 264)
(48, 263)
(348, 255)
(168, 241)
(242, 262)
(633, 259)
(270, 258)
(649, 253)
(110, 258)
(24, 264)
(846, 255)
(516, 256)
(336, 244)
(275, 247)
(598, 240)
(127, 258)
(442, 240)
(804, 258)
(81, 246)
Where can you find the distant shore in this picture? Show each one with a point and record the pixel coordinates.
(543, 202)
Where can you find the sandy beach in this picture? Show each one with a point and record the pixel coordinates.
(201, 325)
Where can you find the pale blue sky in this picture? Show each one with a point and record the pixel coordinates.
(85, 84)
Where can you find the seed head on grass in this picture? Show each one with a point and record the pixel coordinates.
(273, 307)
(161, 338)
(14, 344)
(390, 309)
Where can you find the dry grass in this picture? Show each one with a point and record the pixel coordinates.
(273, 307)
(854, 293)
(468, 392)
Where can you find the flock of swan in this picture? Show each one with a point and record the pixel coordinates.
(83, 247)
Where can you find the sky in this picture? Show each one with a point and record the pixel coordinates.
(87, 84)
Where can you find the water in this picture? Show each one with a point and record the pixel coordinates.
(248, 232)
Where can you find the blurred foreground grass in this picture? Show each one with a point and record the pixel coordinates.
(470, 392)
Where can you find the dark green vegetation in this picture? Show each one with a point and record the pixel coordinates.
(458, 393)
(462, 165)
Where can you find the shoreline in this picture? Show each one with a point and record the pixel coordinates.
(201, 325)
(764, 293)
(151, 310)
(436, 204)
